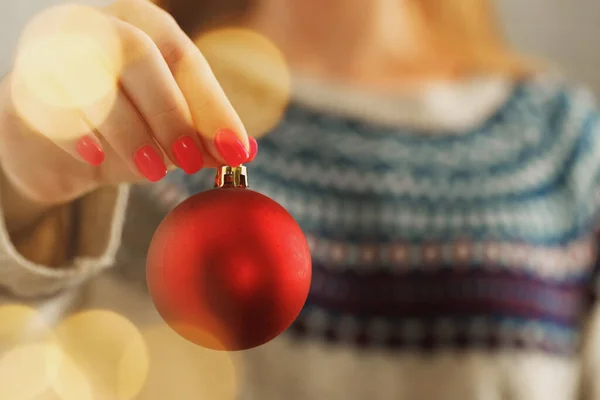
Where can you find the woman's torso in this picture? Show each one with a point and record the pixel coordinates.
(457, 256)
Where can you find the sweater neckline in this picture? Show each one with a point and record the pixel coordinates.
(438, 107)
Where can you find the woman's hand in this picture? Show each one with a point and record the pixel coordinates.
(161, 106)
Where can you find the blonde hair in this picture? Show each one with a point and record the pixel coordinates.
(471, 33)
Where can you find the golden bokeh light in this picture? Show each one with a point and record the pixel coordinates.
(183, 371)
(28, 371)
(253, 74)
(29, 357)
(70, 382)
(20, 324)
(105, 351)
(68, 62)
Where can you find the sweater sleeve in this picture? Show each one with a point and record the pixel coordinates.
(583, 179)
(98, 228)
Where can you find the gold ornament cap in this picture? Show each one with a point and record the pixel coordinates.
(231, 177)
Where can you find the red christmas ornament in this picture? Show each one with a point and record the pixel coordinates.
(229, 268)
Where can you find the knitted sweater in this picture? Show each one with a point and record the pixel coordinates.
(466, 239)
(453, 242)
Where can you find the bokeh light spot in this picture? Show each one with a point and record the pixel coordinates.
(27, 349)
(108, 350)
(21, 324)
(181, 370)
(28, 371)
(68, 60)
(253, 74)
(71, 382)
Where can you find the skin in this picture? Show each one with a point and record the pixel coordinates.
(157, 103)
(41, 173)
(379, 44)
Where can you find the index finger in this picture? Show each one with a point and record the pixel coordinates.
(221, 129)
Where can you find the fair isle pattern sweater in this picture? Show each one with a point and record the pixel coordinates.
(453, 243)
(478, 238)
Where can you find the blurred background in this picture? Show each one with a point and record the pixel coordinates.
(563, 32)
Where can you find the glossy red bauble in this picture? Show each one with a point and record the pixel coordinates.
(229, 269)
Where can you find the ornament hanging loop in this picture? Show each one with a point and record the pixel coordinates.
(231, 177)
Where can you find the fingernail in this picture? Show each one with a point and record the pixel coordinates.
(89, 149)
(149, 163)
(253, 149)
(230, 147)
(187, 154)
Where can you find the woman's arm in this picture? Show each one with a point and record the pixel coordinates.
(66, 158)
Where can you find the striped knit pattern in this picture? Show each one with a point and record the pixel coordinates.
(483, 238)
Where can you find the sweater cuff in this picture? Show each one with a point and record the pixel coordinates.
(98, 227)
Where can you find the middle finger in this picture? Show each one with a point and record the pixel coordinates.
(150, 86)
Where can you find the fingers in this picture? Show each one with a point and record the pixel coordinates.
(150, 86)
(65, 127)
(87, 132)
(126, 132)
(212, 115)
(166, 107)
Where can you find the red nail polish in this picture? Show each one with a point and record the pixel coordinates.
(187, 154)
(89, 149)
(230, 147)
(253, 149)
(149, 163)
